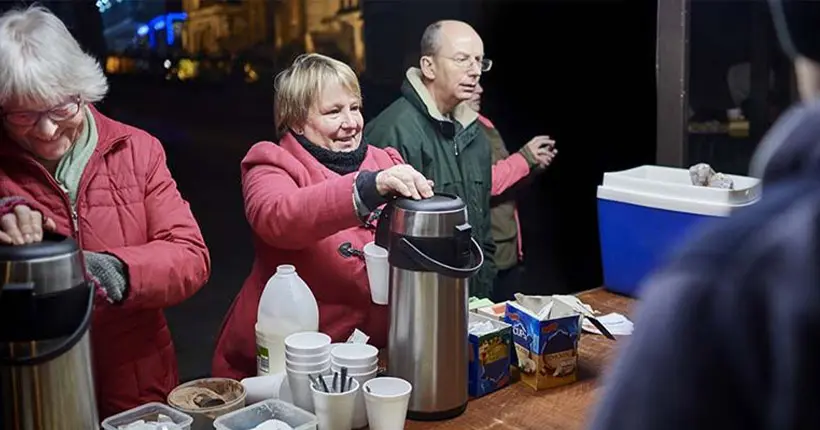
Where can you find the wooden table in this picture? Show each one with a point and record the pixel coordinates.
(520, 407)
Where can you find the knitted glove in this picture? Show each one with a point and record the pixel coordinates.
(109, 273)
(529, 156)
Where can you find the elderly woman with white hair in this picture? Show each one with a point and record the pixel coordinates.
(67, 168)
(310, 199)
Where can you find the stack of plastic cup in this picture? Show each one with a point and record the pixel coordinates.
(306, 354)
(362, 363)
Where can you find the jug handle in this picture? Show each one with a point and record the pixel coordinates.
(67, 343)
(432, 265)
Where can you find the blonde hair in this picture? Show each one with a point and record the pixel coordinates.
(299, 86)
(41, 62)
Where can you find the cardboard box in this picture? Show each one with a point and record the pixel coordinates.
(495, 311)
(490, 358)
(546, 352)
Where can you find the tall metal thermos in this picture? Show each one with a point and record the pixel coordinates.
(432, 255)
(45, 357)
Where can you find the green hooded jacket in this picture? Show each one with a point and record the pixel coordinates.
(452, 153)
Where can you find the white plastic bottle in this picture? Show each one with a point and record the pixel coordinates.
(287, 306)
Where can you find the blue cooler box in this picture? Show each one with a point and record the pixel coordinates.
(644, 213)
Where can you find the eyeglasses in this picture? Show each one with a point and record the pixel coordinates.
(60, 113)
(465, 62)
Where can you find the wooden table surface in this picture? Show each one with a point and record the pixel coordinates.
(520, 407)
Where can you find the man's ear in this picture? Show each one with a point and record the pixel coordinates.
(428, 69)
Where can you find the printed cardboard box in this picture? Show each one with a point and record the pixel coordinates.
(495, 311)
(490, 358)
(546, 350)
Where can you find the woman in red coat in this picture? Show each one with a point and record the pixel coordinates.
(305, 198)
(65, 167)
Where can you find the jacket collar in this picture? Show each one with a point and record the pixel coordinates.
(289, 143)
(414, 91)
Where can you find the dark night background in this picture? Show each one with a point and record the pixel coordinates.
(581, 71)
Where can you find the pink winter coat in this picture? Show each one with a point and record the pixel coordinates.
(301, 213)
(128, 205)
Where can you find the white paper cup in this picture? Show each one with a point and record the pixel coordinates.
(357, 370)
(360, 411)
(307, 343)
(307, 359)
(386, 400)
(334, 410)
(378, 272)
(307, 367)
(258, 388)
(299, 384)
(354, 354)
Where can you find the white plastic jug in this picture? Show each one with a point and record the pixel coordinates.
(287, 306)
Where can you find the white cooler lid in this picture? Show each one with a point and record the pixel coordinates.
(671, 188)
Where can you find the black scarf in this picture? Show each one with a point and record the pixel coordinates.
(339, 162)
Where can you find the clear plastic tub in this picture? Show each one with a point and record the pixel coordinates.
(251, 416)
(148, 412)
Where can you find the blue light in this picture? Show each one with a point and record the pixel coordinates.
(158, 23)
(169, 24)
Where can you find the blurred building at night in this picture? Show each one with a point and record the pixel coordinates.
(281, 28)
(225, 27)
(332, 27)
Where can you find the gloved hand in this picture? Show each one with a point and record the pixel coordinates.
(108, 272)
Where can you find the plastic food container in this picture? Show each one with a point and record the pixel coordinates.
(148, 412)
(251, 416)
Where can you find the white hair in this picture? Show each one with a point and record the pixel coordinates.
(42, 63)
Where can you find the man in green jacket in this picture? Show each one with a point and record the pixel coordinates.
(436, 132)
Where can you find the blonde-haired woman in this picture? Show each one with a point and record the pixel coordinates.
(66, 167)
(310, 197)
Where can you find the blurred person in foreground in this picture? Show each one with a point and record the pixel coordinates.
(726, 332)
(436, 132)
(67, 168)
(509, 173)
(309, 197)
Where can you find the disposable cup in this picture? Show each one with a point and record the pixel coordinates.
(335, 409)
(386, 400)
(307, 343)
(354, 354)
(378, 272)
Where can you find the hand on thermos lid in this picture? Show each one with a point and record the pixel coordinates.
(405, 181)
(20, 224)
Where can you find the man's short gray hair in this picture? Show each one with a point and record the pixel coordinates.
(40, 62)
(431, 39)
